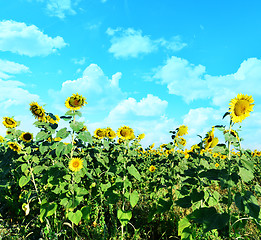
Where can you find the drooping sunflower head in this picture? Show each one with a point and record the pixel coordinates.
(152, 168)
(182, 130)
(125, 133)
(240, 107)
(75, 102)
(210, 141)
(100, 133)
(110, 133)
(26, 137)
(14, 146)
(75, 164)
(9, 122)
(37, 111)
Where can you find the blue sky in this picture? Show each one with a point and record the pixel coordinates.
(151, 65)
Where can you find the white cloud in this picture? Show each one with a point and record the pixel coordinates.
(149, 106)
(131, 43)
(191, 81)
(80, 61)
(8, 67)
(60, 8)
(19, 38)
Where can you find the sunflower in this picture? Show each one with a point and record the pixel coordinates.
(53, 119)
(100, 133)
(240, 107)
(83, 129)
(38, 111)
(75, 164)
(152, 168)
(182, 130)
(2, 139)
(216, 165)
(26, 137)
(126, 133)
(181, 141)
(210, 141)
(9, 122)
(75, 102)
(110, 133)
(141, 136)
(14, 146)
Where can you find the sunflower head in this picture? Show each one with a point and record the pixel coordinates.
(2, 139)
(9, 122)
(152, 168)
(83, 129)
(210, 141)
(216, 165)
(53, 119)
(75, 164)
(182, 130)
(26, 137)
(75, 102)
(14, 146)
(38, 111)
(100, 133)
(125, 133)
(181, 141)
(240, 107)
(141, 136)
(110, 133)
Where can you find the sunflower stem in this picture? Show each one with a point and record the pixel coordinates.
(229, 188)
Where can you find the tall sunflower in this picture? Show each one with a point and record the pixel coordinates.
(14, 146)
(125, 133)
(75, 102)
(182, 130)
(38, 111)
(100, 133)
(240, 107)
(26, 137)
(75, 164)
(9, 122)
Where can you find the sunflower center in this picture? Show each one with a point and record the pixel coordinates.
(9, 121)
(241, 107)
(27, 136)
(76, 164)
(124, 132)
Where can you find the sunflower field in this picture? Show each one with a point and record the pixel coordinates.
(65, 183)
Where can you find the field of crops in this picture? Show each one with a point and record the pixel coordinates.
(66, 183)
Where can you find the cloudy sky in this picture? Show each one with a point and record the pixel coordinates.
(151, 65)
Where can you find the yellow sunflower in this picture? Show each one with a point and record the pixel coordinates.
(2, 139)
(26, 137)
(14, 146)
(84, 129)
(216, 165)
(9, 122)
(152, 168)
(75, 102)
(181, 141)
(141, 136)
(110, 133)
(240, 107)
(38, 111)
(53, 119)
(75, 164)
(126, 133)
(210, 141)
(8, 132)
(182, 130)
(100, 133)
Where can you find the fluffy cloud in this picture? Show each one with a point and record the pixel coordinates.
(8, 67)
(131, 43)
(149, 106)
(192, 82)
(19, 38)
(60, 8)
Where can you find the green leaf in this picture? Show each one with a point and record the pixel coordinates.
(24, 167)
(75, 217)
(47, 209)
(85, 137)
(76, 126)
(38, 169)
(59, 149)
(42, 135)
(184, 202)
(134, 172)
(134, 198)
(63, 133)
(245, 174)
(124, 216)
(86, 212)
(104, 187)
(182, 224)
(24, 180)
